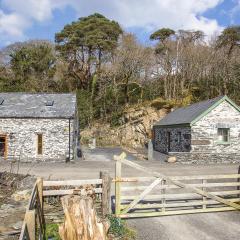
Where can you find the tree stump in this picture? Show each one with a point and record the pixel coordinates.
(81, 221)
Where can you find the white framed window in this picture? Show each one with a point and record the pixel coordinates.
(223, 135)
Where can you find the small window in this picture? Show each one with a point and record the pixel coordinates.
(223, 134)
(179, 137)
(39, 144)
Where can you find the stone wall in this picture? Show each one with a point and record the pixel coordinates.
(180, 139)
(204, 131)
(205, 158)
(22, 138)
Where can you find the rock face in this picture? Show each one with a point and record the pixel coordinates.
(134, 131)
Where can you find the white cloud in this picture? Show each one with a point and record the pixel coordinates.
(12, 24)
(38, 10)
(234, 12)
(12, 27)
(176, 14)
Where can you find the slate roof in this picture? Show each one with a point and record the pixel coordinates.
(186, 115)
(33, 105)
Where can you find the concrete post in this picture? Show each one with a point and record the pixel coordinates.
(94, 143)
(150, 150)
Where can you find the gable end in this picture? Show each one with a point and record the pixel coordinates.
(225, 98)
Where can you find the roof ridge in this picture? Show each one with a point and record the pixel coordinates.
(203, 101)
(187, 114)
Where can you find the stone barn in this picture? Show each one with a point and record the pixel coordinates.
(38, 127)
(207, 131)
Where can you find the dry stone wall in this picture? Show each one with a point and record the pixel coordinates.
(205, 158)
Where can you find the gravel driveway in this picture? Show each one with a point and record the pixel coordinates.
(206, 226)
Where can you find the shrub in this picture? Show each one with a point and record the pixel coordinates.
(119, 229)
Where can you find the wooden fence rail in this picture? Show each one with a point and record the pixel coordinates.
(101, 187)
(161, 195)
(34, 223)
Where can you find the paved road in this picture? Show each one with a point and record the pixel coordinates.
(204, 226)
(207, 226)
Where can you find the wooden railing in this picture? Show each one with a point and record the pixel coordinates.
(161, 195)
(34, 223)
(101, 187)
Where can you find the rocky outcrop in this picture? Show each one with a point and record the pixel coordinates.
(134, 131)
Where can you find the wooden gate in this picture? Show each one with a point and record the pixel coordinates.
(159, 195)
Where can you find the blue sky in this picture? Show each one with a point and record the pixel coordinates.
(22, 20)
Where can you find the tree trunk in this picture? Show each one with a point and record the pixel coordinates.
(81, 221)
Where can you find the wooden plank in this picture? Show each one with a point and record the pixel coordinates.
(32, 197)
(238, 188)
(118, 169)
(178, 204)
(63, 192)
(181, 195)
(71, 182)
(204, 185)
(163, 193)
(106, 193)
(179, 212)
(176, 182)
(141, 196)
(22, 234)
(199, 177)
(204, 182)
(40, 190)
(30, 223)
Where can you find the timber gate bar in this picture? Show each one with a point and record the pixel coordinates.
(160, 195)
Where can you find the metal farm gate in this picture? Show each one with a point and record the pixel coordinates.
(159, 195)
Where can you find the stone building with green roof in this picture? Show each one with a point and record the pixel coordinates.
(207, 131)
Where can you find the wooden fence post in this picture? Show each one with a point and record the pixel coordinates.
(30, 222)
(163, 192)
(40, 190)
(106, 192)
(118, 169)
(238, 188)
(204, 206)
(40, 195)
(150, 150)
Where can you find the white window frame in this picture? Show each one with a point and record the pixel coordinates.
(223, 135)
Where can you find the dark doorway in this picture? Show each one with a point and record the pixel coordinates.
(169, 141)
(2, 146)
